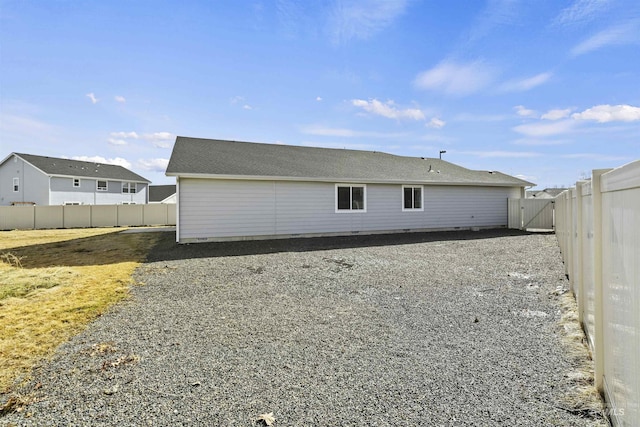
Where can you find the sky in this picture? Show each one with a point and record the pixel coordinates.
(544, 90)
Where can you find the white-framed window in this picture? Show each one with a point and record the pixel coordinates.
(101, 185)
(16, 185)
(412, 198)
(129, 187)
(76, 182)
(351, 198)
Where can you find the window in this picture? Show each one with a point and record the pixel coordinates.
(101, 186)
(412, 198)
(129, 187)
(72, 203)
(351, 198)
(16, 185)
(128, 203)
(76, 182)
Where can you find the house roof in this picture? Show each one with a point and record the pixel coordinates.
(158, 193)
(79, 168)
(195, 157)
(547, 193)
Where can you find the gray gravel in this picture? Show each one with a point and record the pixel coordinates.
(422, 329)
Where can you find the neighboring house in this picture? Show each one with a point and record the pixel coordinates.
(30, 179)
(162, 194)
(547, 193)
(229, 190)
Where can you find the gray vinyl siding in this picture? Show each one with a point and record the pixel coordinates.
(63, 191)
(217, 209)
(34, 185)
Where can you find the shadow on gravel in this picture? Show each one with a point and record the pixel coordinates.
(167, 249)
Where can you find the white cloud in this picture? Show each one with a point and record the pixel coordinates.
(154, 165)
(347, 133)
(522, 85)
(456, 79)
(525, 112)
(556, 114)
(388, 109)
(99, 159)
(133, 135)
(93, 98)
(236, 99)
(537, 130)
(609, 113)
(159, 139)
(318, 99)
(119, 98)
(247, 107)
(581, 11)
(361, 19)
(114, 141)
(627, 33)
(436, 123)
(495, 14)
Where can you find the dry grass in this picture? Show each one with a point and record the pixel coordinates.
(53, 283)
(583, 397)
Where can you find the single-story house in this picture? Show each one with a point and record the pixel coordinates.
(162, 193)
(228, 190)
(27, 179)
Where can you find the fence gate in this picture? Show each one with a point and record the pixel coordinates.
(531, 214)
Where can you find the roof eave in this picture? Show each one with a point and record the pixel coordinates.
(343, 179)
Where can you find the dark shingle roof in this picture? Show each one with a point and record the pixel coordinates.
(158, 193)
(79, 168)
(209, 157)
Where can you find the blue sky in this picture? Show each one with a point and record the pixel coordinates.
(543, 90)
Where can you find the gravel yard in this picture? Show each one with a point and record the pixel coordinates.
(458, 328)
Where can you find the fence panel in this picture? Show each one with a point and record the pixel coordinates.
(77, 216)
(531, 214)
(598, 230)
(42, 217)
(621, 290)
(49, 217)
(17, 217)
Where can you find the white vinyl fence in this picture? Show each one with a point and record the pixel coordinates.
(598, 230)
(74, 216)
(529, 214)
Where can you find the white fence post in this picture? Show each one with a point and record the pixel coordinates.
(598, 331)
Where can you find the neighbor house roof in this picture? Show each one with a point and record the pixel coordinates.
(195, 157)
(79, 168)
(158, 193)
(547, 193)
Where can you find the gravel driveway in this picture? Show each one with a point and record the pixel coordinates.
(403, 330)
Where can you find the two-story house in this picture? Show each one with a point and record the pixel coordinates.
(27, 179)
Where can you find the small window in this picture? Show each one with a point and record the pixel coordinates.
(351, 198)
(16, 185)
(102, 186)
(412, 198)
(128, 203)
(129, 187)
(72, 203)
(76, 182)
